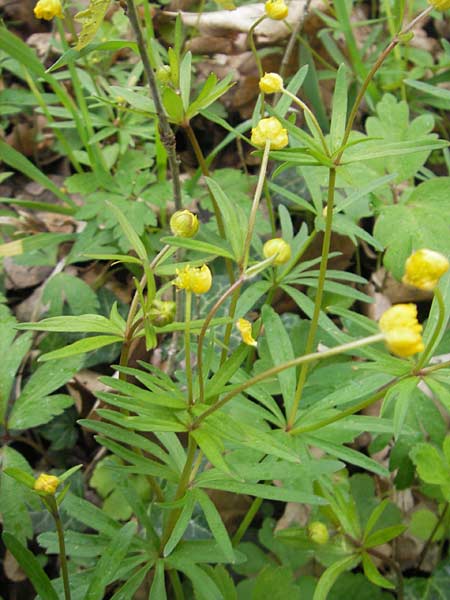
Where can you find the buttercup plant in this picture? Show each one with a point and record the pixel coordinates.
(233, 395)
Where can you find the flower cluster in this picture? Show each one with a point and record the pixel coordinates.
(279, 248)
(194, 279)
(245, 329)
(271, 130)
(48, 9)
(424, 268)
(184, 224)
(46, 483)
(402, 330)
(276, 9)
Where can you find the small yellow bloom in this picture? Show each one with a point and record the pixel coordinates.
(47, 9)
(245, 329)
(402, 330)
(46, 483)
(272, 130)
(194, 279)
(271, 83)
(276, 9)
(279, 248)
(318, 532)
(184, 224)
(440, 4)
(424, 268)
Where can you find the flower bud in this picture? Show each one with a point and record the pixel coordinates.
(47, 9)
(245, 329)
(46, 483)
(279, 248)
(162, 312)
(194, 279)
(276, 9)
(440, 4)
(183, 223)
(272, 130)
(318, 532)
(271, 83)
(424, 268)
(401, 329)
(163, 74)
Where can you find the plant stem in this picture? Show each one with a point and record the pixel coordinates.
(432, 534)
(251, 42)
(62, 546)
(312, 116)
(246, 521)
(166, 133)
(319, 295)
(231, 290)
(176, 584)
(255, 205)
(187, 345)
(349, 411)
(437, 330)
(392, 44)
(287, 365)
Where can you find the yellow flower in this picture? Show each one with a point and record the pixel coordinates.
(402, 330)
(318, 532)
(424, 268)
(276, 9)
(245, 329)
(46, 483)
(47, 9)
(194, 279)
(279, 248)
(184, 224)
(440, 4)
(271, 83)
(272, 130)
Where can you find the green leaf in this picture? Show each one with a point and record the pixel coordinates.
(129, 231)
(197, 246)
(79, 324)
(434, 587)
(328, 578)
(169, 400)
(424, 217)
(129, 589)
(430, 464)
(275, 583)
(373, 575)
(31, 567)
(204, 587)
(81, 347)
(20, 476)
(215, 524)
(235, 227)
(295, 84)
(62, 287)
(174, 105)
(339, 108)
(382, 536)
(35, 406)
(90, 515)
(212, 446)
(432, 90)
(16, 160)
(185, 79)
(158, 589)
(106, 569)
(182, 523)
(90, 19)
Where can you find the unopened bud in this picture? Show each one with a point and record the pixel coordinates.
(183, 223)
(318, 532)
(162, 312)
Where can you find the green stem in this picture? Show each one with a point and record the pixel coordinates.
(432, 534)
(392, 44)
(231, 290)
(247, 520)
(176, 584)
(182, 487)
(318, 300)
(251, 42)
(349, 411)
(255, 206)
(312, 116)
(62, 546)
(167, 135)
(287, 365)
(437, 330)
(187, 345)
